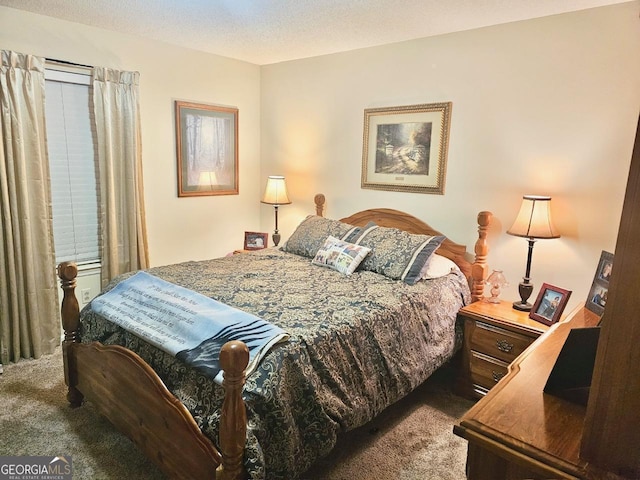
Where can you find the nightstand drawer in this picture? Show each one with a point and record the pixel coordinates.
(486, 371)
(494, 335)
(497, 342)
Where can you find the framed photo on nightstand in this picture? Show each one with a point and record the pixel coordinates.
(255, 240)
(600, 286)
(549, 304)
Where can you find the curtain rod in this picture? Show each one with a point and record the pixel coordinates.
(64, 62)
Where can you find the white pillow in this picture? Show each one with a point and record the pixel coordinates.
(437, 266)
(340, 255)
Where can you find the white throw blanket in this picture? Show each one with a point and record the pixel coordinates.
(184, 323)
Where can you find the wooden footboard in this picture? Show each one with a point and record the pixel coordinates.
(128, 392)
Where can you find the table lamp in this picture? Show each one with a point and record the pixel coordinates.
(496, 281)
(275, 194)
(533, 222)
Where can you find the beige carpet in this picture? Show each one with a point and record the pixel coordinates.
(412, 440)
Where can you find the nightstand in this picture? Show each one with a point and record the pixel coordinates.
(494, 335)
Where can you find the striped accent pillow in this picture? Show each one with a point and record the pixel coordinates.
(397, 254)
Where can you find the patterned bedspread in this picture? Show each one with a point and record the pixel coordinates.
(358, 344)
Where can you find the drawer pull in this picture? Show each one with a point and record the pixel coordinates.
(496, 375)
(504, 346)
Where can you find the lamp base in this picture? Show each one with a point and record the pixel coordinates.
(523, 307)
(276, 239)
(525, 288)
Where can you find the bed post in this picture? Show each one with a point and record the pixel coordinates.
(319, 201)
(479, 269)
(67, 272)
(234, 358)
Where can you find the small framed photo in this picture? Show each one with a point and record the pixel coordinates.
(600, 286)
(549, 304)
(255, 240)
(207, 149)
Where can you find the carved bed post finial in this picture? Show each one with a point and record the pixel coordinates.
(319, 200)
(67, 272)
(479, 269)
(234, 358)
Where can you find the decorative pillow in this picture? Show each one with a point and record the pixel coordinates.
(355, 233)
(311, 234)
(340, 255)
(437, 266)
(397, 254)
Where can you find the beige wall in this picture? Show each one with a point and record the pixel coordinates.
(547, 106)
(179, 228)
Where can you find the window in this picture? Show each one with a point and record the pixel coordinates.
(72, 158)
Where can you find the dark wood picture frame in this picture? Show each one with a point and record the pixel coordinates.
(599, 290)
(207, 149)
(550, 304)
(255, 240)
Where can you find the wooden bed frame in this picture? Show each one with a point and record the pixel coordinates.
(128, 392)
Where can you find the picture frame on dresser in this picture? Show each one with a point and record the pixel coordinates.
(206, 149)
(599, 290)
(549, 304)
(255, 240)
(405, 148)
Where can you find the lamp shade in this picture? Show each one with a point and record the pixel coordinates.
(276, 191)
(534, 218)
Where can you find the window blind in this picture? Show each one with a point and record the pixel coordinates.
(72, 159)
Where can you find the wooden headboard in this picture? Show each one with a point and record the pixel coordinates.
(476, 272)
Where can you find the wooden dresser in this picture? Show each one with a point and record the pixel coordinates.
(519, 432)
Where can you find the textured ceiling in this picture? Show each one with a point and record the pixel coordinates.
(270, 31)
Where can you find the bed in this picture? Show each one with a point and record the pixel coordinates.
(358, 343)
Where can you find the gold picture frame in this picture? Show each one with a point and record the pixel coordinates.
(207, 149)
(405, 148)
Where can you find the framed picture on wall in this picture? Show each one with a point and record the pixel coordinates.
(405, 148)
(550, 304)
(599, 291)
(207, 149)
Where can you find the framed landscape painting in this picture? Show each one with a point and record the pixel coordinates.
(405, 148)
(207, 149)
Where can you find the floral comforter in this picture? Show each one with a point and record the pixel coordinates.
(358, 344)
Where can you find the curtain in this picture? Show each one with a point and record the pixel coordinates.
(122, 217)
(29, 319)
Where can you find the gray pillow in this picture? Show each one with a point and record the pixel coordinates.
(395, 253)
(311, 234)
